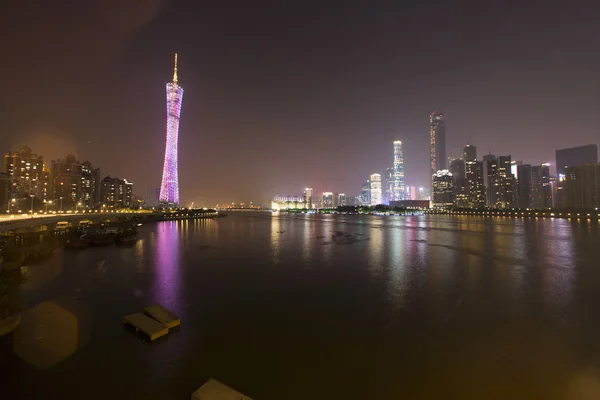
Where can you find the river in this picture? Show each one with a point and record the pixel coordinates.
(297, 306)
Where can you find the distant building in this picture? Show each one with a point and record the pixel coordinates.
(376, 195)
(4, 192)
(152, 198)
(437, 142)
(524, 192)
(486, 178)
(443, 189)
(398, 190)
(470, 153)
(474, 184)
(411, 204)
(582, 186)
(341, 200)
(568, 158)
(541, 191)
(327, 200)
(308, 197)
(66, 182)
(501, 182)
(116, 193)
(90, 185)
(288, 202)
(388, 185)
(364, 198)
(411, 193)
(461, 190)
(424, 194)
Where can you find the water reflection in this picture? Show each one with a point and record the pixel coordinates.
(167, 270)
(376, 250)
(275, 238)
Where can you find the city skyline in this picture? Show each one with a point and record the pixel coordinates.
(260, 83)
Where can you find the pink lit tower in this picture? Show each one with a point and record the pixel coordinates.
(169, 187)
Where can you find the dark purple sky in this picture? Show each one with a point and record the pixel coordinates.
(284, 94)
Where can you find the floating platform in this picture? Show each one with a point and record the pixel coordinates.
(162, 315)
(215, 390)
(147, 325)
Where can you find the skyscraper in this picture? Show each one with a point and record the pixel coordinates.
(582, 186)
(398, 191)
(475, 186)
(376, 195)
(308, 197)
(443, 189)
(461, 190)
(470, 153)
(327, 200)
(169, 188)
(388, 185)
(569, 158)
(524, 186)
(437, 141)
(541, 191)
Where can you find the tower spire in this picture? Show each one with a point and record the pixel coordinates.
(175, 70)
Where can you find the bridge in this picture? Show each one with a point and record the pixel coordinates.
(14, 222)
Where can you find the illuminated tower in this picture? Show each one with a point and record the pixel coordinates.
(169, 187)
(437, 141)
(398, 191)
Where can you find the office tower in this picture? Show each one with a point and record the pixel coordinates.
(365, 194)
(501, 182)
(116, 193)
(541, 191)
(437, 141)
(398, 189)
(443, 189)
(327, 200)
(376, 195)
(524, 186)
(27, 173)
(461, 191)
(169, 188)
(388, 185)
(308, 197)
(474, 183)
(514, 168)
(486, 181)
(341, 199)
(582, 186)
(470, 153)
(568, 158)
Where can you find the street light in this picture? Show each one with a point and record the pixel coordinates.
(32, 196)
(61, 202)
(48, 203)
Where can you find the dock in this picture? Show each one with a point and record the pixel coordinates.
(147, 325)
(162, 315)
(215, 390)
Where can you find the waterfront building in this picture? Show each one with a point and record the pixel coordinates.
(398, 190)
(501, 182)
(376, 195)
(169, 188)
(341, 199)
(327, 200)
(486, 178)
(461, 190)
(411, 204)
(424, 194)
(116, 193)
(4, 192)
(443, 189)
(474, 184)
(582, 186)
(541, 191)
(437, 142)
(288, 202)
(27, 174)
(90, 185)
(308, 197)
(565, 158)
(524, 192)
(411, 193)
(364, 197)
(388, 185)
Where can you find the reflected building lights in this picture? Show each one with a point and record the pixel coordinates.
(167, 278)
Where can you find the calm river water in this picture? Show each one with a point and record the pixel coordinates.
(319, 307)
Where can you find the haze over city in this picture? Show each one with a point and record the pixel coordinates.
(283, 96)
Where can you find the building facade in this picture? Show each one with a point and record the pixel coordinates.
(461, 190)
(570, 157)
(541, 190)
(27, 173)
(398, 190)
(308, 197)
(169, 188)
(443, 189)
(116, 193)
(474, 183)
(524, 191)
(376, 193)
(582, 186)
(437, 142)
(388, 185)
(500, 192)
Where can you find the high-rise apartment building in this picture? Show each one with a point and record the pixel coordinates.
(169, 188)
(116, 193)
(27, 173)
(388, 185)
(565, 158)
(65, 183)
(443, 189)
(341, 199)
(582, 186)
(501, 182)
(398, 191)
(376, 194)
(4, 192)
(437, 142)
(541, 191)
(327, 200)
(524, 192)
(90, 185)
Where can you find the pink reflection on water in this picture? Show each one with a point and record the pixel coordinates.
(166, 288)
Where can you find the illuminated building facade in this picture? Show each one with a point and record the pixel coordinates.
(461, 190)
(398, 191)
(475, 186)
(568, 158)
(501, 182)
(376, 193)
(524, 186)
(169, 188)
(90, 185)
(290, 202)
(437, 141)
(308, 197)
(443, 189)
(4, 192)
(541, 190)
(341, 199)
(364, 198)
(388, 185)
(327, 200)
(27, 173)
(116, 193)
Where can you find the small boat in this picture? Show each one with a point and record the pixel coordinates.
(127, 236)
(79, 243)
(102, 240)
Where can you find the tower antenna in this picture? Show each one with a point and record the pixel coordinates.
(175, 70)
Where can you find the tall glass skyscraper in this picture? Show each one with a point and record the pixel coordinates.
(398, 191)
(437, 141)
(376, 195)
(169, 187)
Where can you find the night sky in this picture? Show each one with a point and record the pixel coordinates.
(284, 94)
